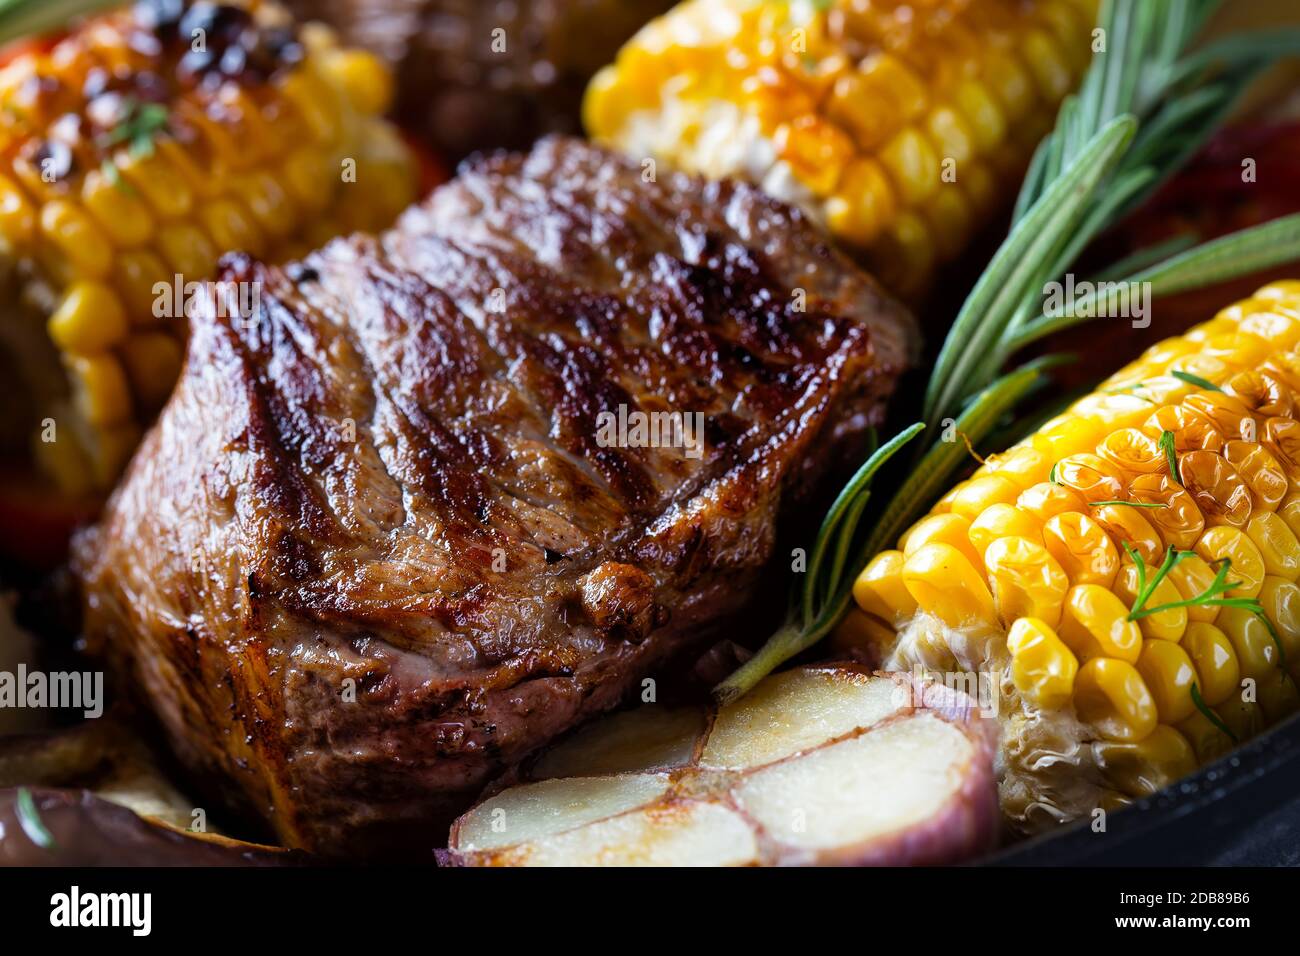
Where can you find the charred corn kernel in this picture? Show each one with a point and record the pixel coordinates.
(1042, 667)
(1001, 520)
(1276, 543)
(153, 362)
(1193, 576)
(980, 493)
(89, 319)
(950, 528)
(1257, 652)
(1280, 600)
(77, 238)
(1026, 580)
(1247, 563)
(879, 589)
(942, 582)
(1094, 623)
(100, 390)
(163, 183)
(1261, 394)
(1221, 495)
(1167, 625)
(1082, 548)
(1148, 766)
(1218, 674)
(1132, 451)
(1169, 674)
(1046, 500)
(1127, 526)
(119, 213)
(921, 104)
(1278, 696)
(1173, 512)
(1110, 695)
(1207, 739)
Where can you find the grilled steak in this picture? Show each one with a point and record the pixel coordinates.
(403, 528)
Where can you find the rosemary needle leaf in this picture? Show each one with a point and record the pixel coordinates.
(1210, 715)
(1167, 445)
(1196, 380)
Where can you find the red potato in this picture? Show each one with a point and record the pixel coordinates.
(820, 765)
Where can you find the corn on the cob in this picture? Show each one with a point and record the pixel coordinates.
(1080, 566)
(133, 153)
(890, 122)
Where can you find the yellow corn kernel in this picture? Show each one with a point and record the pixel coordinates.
(1276, 543)
(1228, 543)
(1290, 512)
(1111, 696)
(1220, 493)
(1094, 478)
(1229, 416)
(1263, 394)
(1218, 675)
(99, 389)
(1280, 600)
(951, 221)
(1024, 465)
(138, 270)
(951, 135)
(314, 102)
(362, 77)
(1192, 577)
(1167, 625)
(88, 319)
(1282, 330)
(77, 238)
(999, 521)
(1094, 623)
(950, 528)
(1082, 548)
(979, 493)
(1046, 500)
(1261, 472)
(1207, 739)
(1257, 653)
(17, 215)
(1067, 434)
(153, 363)
(310, 178)
(1133, 451)
(879, 589)
(1174, 513)
(943, 582)
(1190, 431)
(162, 186)
(987, 123)
(187, 251)
(912, 165)
(1278, 696)
(1118, 410)
(1169, 674)
(863, 204)
(231, 227)
(1126, 526)
(1026, 580)
(118, 212)
(1042, 667)
(269, 203)
(1148, 766)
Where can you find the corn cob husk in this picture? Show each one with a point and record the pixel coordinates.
(133, 153)
(900, 126)
(1029, 571)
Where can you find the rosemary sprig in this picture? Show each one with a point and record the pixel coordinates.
(1168, 445)
(1145, 106)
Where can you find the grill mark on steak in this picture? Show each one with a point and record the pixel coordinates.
(254, 559)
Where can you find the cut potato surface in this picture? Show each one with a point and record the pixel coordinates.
(818, 765)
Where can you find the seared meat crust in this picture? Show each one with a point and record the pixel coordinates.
(376, 548)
